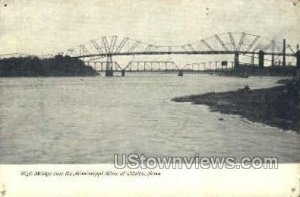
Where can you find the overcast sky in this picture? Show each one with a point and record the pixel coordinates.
(47, 26)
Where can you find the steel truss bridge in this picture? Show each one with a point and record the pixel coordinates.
(231, 43)
(99, 52)
(160, 66)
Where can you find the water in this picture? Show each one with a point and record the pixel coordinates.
(88, 119)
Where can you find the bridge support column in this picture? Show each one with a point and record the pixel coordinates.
(298, 64)
(261, 59)
(236, 60)
(180, 73)
(109, 72)
(253, 59)
(298, 59)
(123, 73)
(283, 53)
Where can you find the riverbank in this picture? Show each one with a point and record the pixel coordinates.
(61, 66)
(245, 70)
(277, 106)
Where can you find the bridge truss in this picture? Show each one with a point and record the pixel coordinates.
(225, 42)
(100, 51)
(106, 47)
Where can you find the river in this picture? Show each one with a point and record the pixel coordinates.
(88, 119)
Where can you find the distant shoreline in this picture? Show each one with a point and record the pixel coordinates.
(58, 66)
(277, 106)
(245, 70)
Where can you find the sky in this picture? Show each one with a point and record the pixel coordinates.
(50, 26)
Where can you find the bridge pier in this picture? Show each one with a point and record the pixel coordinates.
(224, 64)
(236, 60)
(253, 59)
(109, 72)
(283, 52)
(123, 73)
(298, 65)
(261, 59)
(298, 59)
(180, 73)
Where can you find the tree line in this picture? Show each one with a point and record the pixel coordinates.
(34, 66)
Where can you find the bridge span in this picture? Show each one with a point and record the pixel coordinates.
(161, 66)
(231, 43)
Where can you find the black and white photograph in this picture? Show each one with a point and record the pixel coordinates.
(144, 93)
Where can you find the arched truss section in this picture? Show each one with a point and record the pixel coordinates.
(225, 42)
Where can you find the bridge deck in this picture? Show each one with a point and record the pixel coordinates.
(182, 53)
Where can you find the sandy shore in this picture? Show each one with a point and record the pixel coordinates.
(277, 106)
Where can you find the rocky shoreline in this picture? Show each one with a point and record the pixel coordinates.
(277, 106)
